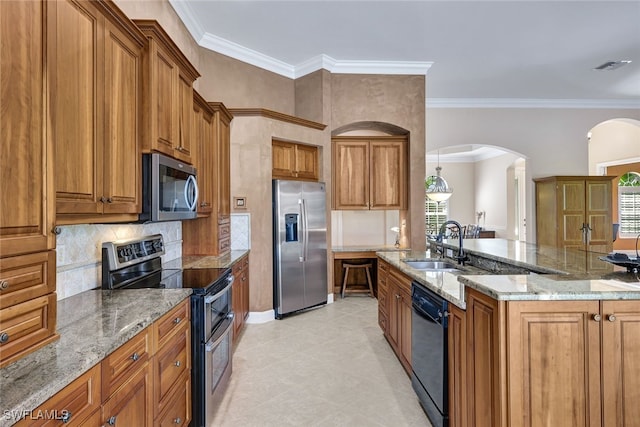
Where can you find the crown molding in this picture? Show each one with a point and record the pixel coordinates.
(189, 18)
(622, 104)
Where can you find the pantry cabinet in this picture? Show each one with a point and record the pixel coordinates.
(560, 354)
(96, 99)
(27, 202)
(168, 78)
(369, 173)
(574, 212)
(294, 161)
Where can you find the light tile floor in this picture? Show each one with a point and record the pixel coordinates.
(329, 366)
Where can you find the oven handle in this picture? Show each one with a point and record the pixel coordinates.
(210, 298)
(219, 336)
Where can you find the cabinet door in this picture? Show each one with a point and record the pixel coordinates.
(283, 159)
(554, 363)
(457, 357)
(224, 164)
(26, 202)
(351, 175)
(184, 148)
(571, 213)
(598, 216)
(404, 320)
(162, 128)
(306, 162)
(388, 175)
(393, 325)
(77, 44)
(131, 404)
(204, 154)
(121, 122)
(621, 363)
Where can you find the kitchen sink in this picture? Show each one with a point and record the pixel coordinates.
(432, 265)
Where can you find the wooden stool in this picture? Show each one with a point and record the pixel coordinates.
(346, 266)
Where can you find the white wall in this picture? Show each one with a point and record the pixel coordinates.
(553, 140)
(612, 142)
(461, 178)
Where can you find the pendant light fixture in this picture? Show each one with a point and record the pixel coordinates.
(437, 188)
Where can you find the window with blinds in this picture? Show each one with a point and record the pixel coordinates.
(629, 204)
(435, 215)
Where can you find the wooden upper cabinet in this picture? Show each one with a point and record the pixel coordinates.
(575, 212)
(96, 98)
(26, 202)
(294, 161)
(222, 135)
(369, 173)
(168, 78)
(204, 149)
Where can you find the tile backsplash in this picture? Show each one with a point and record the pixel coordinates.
(240, 231)
(79, 251)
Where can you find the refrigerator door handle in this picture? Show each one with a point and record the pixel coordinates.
(305, 242)
(303, 224)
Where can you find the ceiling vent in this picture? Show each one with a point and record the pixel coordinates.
(611, 65)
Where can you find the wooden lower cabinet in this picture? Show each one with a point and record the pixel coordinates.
(145, 382)
(551, 363)
(398, 331)
(383, 292)
(457, 358)
(240, 295)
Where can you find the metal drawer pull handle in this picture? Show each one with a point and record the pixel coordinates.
(66, 417)
(177, 421)
(112, 421)
(596, 317)
(135, 357)
(177, 320)
(3, 285)
(177, 363)
(611, 317)
(4, 337)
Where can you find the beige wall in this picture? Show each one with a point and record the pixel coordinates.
(613, 141)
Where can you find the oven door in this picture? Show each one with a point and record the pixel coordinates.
(217, 307)
(217, 367)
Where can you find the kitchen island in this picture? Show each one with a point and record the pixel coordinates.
(92, 325)
(538, 349)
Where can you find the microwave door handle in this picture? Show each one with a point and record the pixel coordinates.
(191, 185)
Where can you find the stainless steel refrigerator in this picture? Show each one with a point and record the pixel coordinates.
(299, 246)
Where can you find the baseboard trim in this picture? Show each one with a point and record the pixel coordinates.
(261, 316)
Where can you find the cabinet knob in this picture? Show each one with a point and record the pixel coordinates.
(135, 357)
(103, 199)
(596, 317)
(3, 285)
(177, 421)
(109, 200)
(57, 230)
(66, 416)
(177, 320)
(4, 337)
(611, 317)
(177, 364)
(112, 421)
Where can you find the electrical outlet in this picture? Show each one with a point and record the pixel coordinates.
(449, 253)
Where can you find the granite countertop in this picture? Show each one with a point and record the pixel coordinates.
(91, 325)
(206, 261)
(568, 278)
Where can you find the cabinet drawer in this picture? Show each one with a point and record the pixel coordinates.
(224, 219)
(171, 322)
(171, 361)
(245, 262)
(382, 320)
(76, 402)
(27, 326)
(178, 407)
(26, 277)
(237, 267)
(119, 366)
(224, 231)
(382, 299)
(224, 245)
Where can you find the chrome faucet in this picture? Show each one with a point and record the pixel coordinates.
(461, 255)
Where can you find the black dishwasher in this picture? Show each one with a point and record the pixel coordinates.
(429, 352)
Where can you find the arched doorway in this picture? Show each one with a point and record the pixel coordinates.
(614, 149)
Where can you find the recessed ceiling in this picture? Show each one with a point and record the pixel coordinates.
(470, 50)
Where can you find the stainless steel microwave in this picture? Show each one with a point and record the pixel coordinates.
(169, 189)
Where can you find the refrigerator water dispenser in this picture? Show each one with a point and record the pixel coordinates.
(291, 227)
